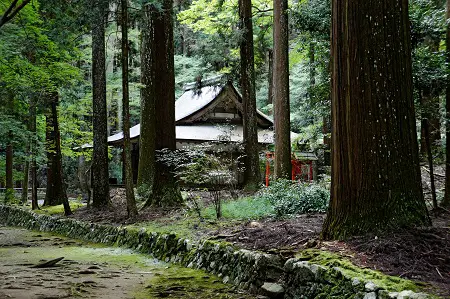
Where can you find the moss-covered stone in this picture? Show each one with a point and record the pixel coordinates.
(312, 274)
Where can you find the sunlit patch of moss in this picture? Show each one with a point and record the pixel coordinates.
(59, 209)
(328, 259)
(189, 227)
(177, 282)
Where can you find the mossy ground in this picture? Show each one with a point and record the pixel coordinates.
(328, 259)
(177, 282)
(134, 275)
(59, 209)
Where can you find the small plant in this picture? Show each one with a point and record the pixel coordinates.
(193, 200)
(290, 198)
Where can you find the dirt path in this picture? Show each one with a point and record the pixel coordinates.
(91, 271)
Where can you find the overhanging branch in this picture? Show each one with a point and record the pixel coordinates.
(12, 11)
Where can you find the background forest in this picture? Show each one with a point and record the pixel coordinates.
(49, 47)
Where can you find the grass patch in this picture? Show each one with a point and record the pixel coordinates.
(59, 209)
(245, 208)
(328, 259)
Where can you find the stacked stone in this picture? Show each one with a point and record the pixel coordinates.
(260, 273)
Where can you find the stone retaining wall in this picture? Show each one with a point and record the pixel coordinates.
(257, 272)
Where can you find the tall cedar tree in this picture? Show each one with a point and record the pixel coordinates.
(56, 189)
(131, 203)
(147, 137)
(9, 196)
(160, 65)
(252, 171)
(100, 174)
(281, 90)
(376, 182)
(446, 201)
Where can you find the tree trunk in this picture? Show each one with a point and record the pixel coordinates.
(446, 200)
(26, 171)
(33, 172)
(147, 137)
(281, 90)
(100, 180)
(376, 180)
(430, 110)
(165, 191)
(252, 172)
(9, 195)
(270, 77)
(312, 65)
(56, 189)
(131, 203)
(426, 129)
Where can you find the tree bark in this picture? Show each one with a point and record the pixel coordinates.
(165, 191)
(376, 180)
(430, 111)
(426, 129)
(9, 195)
(147, 137)
(131, 203)
(33, 172)
(26, 171)
(281, 90)
(56, 189)
(446, 200)
(270, 77)
(100, 180)
(252, 175)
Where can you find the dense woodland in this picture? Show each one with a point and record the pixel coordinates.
(363, 83)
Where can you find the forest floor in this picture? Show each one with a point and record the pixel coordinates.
(420, 254)
(94, 271)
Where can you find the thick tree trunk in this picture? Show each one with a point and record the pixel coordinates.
(281, 90)
(100, 180)
(56, 189)
(165, 191)
(131, 203)
(376, 181)
(252, 172)
(147, 137)
(446, 200)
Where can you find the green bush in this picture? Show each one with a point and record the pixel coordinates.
(289, 198)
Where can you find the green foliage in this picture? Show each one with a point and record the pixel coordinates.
(246, 208)
(187, 69)
(289, 198)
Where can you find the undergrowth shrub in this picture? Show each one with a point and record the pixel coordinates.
(289, 198)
